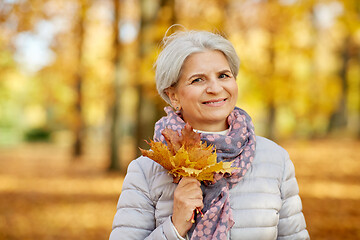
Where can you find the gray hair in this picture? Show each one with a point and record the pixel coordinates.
(180, 45)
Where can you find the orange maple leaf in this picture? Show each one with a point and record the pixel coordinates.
(186, 156)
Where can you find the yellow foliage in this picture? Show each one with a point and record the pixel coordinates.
(186, 155)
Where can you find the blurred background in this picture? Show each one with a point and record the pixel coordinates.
(77, 99)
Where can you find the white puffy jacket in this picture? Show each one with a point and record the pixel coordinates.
(265, 203)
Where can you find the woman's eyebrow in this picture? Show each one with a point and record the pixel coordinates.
(196, 75)
(225, 70)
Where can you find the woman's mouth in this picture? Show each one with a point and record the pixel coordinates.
(215, 102)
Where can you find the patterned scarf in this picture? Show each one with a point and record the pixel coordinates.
(239, 145)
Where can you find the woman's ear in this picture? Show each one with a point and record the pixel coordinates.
(171, 93)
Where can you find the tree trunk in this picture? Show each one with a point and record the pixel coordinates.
(271, 110)
(358, 109)
(338, 119)
(115, 113)
(147, 113)
(79, 127)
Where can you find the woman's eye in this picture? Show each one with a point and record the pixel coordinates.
(196, 80)
(223, 75)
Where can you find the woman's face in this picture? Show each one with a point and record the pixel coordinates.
(206, 91)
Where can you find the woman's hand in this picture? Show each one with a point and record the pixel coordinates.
(187, 197)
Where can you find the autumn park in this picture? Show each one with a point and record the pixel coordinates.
(78, 100)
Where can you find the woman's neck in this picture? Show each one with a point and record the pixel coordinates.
(224, 132)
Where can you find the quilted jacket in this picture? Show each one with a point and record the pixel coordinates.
(265, 203)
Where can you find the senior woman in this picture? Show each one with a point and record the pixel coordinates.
(196, 74)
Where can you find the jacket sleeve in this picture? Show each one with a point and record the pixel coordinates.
(135, 215)
(292, 222)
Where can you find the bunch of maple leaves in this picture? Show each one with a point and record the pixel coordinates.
(186, 156)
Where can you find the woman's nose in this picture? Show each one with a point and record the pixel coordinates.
(213, 86)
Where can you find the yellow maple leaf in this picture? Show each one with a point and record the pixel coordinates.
(186, 156)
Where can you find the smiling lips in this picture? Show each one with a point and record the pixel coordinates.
(215, 102)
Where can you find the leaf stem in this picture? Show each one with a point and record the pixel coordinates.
(192, 220)
(198, 210)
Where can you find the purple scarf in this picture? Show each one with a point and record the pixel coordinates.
(239, 145)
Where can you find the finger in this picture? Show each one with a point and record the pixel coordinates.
(189, 185)
(199, 204)
(186, 182)
(194, 194)
(188, 192)
(190, 207)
